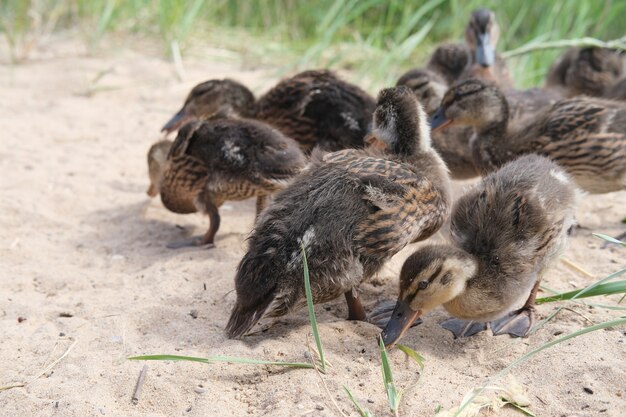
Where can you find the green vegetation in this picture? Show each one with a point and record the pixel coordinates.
(377, 39)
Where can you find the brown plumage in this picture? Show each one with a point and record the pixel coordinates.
(505, 233)
(315, 108)
(477, 58)
(617, 91)
(586, 136)
(453, 143)
(351, 210)
(221, 159)
(590, 71)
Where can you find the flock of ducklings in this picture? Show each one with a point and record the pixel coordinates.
(353, 180)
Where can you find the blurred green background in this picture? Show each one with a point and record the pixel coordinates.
(375, 39)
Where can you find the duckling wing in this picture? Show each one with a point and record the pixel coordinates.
(405, 206)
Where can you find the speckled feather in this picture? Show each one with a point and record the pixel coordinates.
(226, 159)
(586, 136)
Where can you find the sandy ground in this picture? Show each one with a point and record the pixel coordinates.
(83, 266)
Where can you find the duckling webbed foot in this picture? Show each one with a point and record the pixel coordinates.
(381, 314)
(463, 328)
(517, 323)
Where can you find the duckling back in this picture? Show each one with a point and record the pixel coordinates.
(227, 159)
(316, 108)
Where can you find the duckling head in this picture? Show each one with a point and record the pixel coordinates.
(430, 277)
(427, 86)
(212, 97)
(472, 102)
(157, 155)
(400, 124)
(482, 34)
(594, 70)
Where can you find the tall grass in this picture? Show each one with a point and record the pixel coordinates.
(377, 39)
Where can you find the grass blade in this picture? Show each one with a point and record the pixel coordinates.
(609, 239)
(219, 358)
(393, 396)
(419, 359)
(363, 412)
(309, 303)
(607, 288)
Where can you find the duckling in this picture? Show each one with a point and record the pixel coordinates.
(217, 160)
(351, 211)
(505, 233)
(589, 71)
(315, 108)
(453, 143)
(477, 58)
(586, 136)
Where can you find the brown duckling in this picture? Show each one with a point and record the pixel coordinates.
(217, 160)
(590, 71)
(315, 108)
(477, 58)
(453, 143)
(506, 232)
(351, 211)
(586, 136)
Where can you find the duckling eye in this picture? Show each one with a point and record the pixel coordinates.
(422, 285)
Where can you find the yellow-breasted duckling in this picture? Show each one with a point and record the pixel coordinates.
(586, 136)
(351, 211)
(217, 160)
(453, 143)
(590, 71)
(315, 108)
(506, 232)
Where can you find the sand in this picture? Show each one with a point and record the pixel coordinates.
(84, 267)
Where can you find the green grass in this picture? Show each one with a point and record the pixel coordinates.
(312, 319)
(375, 38)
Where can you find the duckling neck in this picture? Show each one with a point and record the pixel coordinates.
(474, 301)
(488, 141)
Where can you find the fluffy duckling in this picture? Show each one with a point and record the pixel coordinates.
(589, 71)
(217, 160)
(477, 58)
(453, 143)
(506, 232)
(586, 136)
(315, 108)
(351, 211)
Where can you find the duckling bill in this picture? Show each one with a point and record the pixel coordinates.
(506, 232)
(351, 210)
